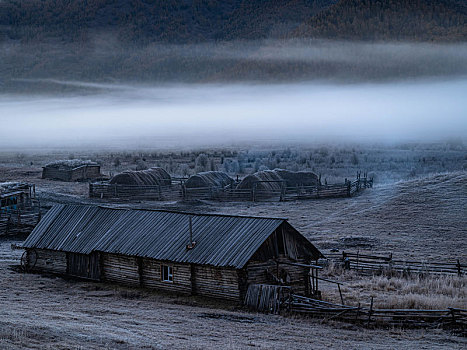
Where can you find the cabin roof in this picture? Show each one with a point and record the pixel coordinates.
(221, 240)
(70, 164)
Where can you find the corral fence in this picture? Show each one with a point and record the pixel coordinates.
(280, 192)
(374, 264)
(16, 221)
(281, 299)
(153, 192)
(452, 318)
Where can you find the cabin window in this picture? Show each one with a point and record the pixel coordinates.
(167, 273)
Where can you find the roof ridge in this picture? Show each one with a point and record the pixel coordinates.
(179, 212)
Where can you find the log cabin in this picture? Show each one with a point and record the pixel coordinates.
(210, 255)
(72, 170)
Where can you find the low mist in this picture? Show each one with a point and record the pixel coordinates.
(178, 115)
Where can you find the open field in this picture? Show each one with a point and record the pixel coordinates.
(417, 211)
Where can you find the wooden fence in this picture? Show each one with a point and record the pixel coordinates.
(230, 193)
(452, 318)
(19, 220)
(372, 264)
(276, 299)
(281, 193)
(152, 192)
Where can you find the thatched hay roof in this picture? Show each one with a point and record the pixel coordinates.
(298, 178)
(69, 163)
(212, 179)
(153, 176)
(291, 179)
(267, 175)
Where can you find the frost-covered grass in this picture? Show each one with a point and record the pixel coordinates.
(416, 291)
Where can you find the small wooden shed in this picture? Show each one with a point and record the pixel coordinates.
(211, 255)
(72, 170)
(19, 209)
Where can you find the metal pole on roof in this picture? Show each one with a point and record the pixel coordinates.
(191, 230)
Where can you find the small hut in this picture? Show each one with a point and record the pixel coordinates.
(72, 170)
(153, 176)
(216, 256)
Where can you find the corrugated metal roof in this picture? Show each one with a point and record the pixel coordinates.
(221, 240)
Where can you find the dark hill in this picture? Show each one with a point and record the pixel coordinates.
(188, 21)
(421, 20)
(159, 21)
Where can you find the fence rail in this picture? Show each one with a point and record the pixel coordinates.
(179, 191)
(371, 264)
(449, 318)
(276, 299)
(154, 192)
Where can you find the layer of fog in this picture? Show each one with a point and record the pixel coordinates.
(103, 59)
(210, 115)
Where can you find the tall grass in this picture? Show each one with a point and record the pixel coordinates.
(397, 292)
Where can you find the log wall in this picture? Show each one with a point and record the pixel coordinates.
(209, 281)
(81, 173)
(50, 261)
(120, 269)
(56, 174)
(151, 277)
(86, 172)
(217, 282)
(188, 279)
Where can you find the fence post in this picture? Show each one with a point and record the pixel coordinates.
(459, 271)
(342, 298)
(371, 311)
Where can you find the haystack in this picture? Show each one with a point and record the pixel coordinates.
(258, 178)
(298, 178)
(153, 176)
(209, 179)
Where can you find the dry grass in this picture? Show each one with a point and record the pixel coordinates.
(397, 292)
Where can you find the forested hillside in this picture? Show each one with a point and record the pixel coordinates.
(426, 20)
(145, 21)
(188, 21)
